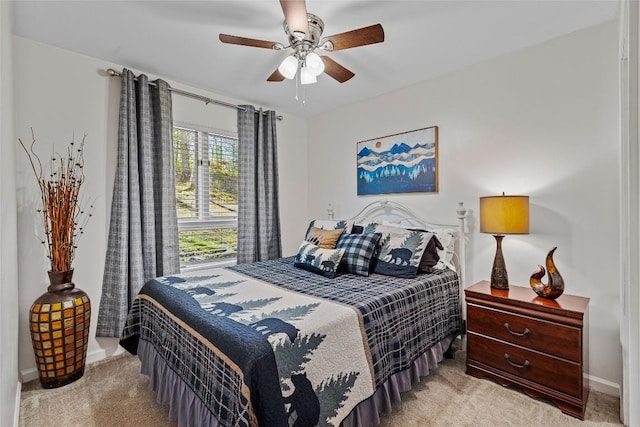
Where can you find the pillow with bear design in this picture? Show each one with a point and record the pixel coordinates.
(318, 260)
(399, 250)
(440, 249)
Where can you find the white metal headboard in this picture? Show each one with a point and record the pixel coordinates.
(390, 212)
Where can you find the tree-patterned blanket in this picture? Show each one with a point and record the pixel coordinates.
(268, 344)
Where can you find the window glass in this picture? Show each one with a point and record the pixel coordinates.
(206, 178)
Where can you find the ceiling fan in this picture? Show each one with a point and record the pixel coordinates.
(304, 31)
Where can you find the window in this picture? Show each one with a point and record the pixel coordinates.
(206, 176)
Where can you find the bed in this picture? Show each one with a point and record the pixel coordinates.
(290, 342)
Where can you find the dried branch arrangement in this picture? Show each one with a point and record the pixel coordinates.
(63, 215)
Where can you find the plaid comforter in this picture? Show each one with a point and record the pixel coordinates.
(237, 373)
(402, 318)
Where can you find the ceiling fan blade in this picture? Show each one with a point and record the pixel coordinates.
(275, 76)
(295, 13)
(336, 70)
(243, 41)
(354, 38)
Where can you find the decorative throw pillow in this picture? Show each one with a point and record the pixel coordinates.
(317, 260)
(370, 228)
(400, 250)
(357, 229)
(447, 237)
(330, 224)
(358, 252)
(326, 239)
(430, 257)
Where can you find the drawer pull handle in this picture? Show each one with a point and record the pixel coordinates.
(515, 365)
(517, 334)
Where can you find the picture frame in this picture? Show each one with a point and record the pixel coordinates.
(405, 162)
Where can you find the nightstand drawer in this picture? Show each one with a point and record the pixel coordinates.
(549, 371)
(559, 340)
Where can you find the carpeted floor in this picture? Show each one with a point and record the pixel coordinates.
(114, 393)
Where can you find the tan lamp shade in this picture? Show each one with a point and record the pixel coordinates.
(504, 214)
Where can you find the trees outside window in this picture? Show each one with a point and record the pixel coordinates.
(206, 176)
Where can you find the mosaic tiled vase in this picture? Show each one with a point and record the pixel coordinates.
(60, 330)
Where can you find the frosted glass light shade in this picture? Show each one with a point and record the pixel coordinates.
(504, 214)
(315, 64)
(288, 67)
(307, 76)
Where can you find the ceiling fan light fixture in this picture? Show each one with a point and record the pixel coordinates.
(304, 33)
(307, 76)
(299, 34)
(288, 67)
(314, 63)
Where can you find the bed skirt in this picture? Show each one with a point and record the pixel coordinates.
(189, 411)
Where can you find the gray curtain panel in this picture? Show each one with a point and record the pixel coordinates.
(258, 210)
(143, 233)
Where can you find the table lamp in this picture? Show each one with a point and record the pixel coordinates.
(500, 215)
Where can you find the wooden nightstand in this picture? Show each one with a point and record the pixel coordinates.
(539, 345)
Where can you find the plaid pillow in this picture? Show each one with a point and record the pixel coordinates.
(358, 252)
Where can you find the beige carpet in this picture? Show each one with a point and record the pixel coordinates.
(114, 393)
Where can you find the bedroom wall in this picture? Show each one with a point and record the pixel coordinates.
(542, 122)
(9, 381)
(59, 93)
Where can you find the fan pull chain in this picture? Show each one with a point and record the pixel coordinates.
(301, 93)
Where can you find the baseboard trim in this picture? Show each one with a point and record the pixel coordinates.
(92, 357)
(595, 383)
(603, 386)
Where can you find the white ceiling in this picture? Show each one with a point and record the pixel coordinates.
(178, 40)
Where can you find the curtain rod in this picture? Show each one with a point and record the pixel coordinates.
(113, 73)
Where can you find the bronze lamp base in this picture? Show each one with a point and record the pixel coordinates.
(499, 277)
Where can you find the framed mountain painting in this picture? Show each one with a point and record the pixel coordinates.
(401, 163)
